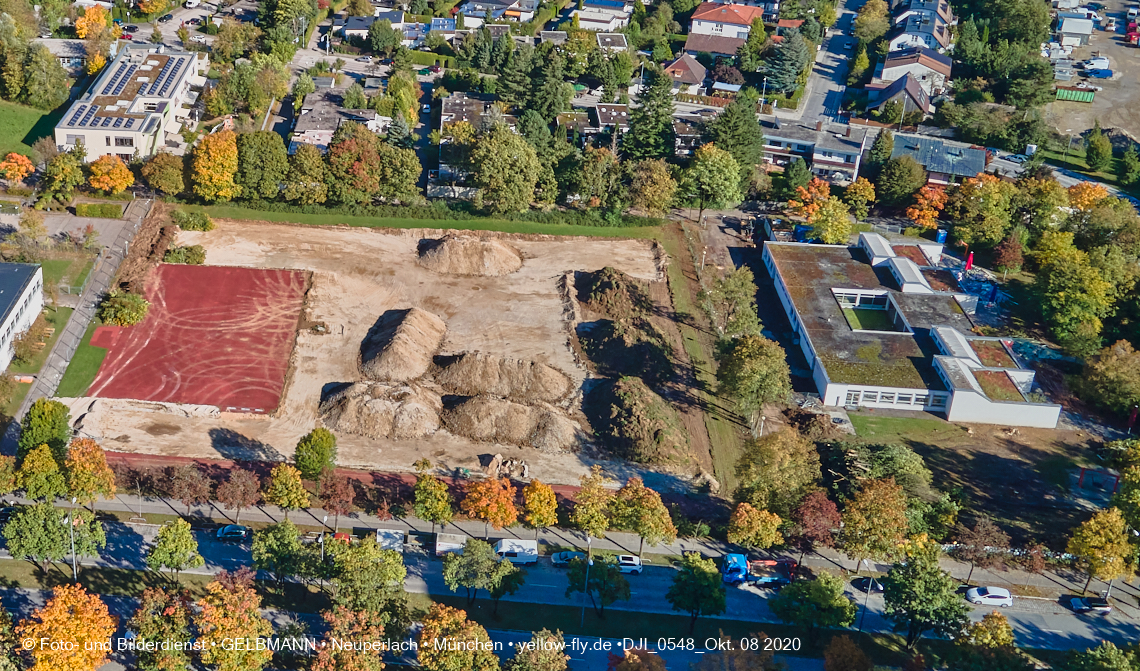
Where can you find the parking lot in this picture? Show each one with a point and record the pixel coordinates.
(1118, 104)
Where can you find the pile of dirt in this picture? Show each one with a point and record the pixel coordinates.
(401, 344)
(475, 373)
(490, 419)
(613, 293)
(398, 411)
(816, 426)
(469, 255)
(633, 422)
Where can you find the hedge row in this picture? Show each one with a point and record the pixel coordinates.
(100, 210)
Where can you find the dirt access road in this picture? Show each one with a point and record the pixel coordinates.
(357, 274)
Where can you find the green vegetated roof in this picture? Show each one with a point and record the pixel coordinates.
(998, 386)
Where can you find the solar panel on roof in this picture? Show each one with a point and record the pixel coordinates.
(78, 112)
(107, 120)
(90, 113)
(118, 122)
(114, 78)
(130, 122)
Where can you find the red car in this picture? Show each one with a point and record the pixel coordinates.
(435, 69)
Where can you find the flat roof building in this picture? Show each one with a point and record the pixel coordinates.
(21, 301)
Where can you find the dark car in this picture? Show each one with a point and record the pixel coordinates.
(233, 533)
(1091, 604)
(131, 28)
(862, 585)
(166, 18)
(193, 22)
(563, 558)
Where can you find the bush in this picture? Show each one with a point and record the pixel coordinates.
(193, 255)
(315, 452)
(99, 210)
(19, 191)
(123, 309)
(192, 221)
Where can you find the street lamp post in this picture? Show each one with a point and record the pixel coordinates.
(71, 524)
(324, 532)
(1068, 145)
(586, 585)
(763, 94)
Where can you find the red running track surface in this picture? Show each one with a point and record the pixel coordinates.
(214, 335)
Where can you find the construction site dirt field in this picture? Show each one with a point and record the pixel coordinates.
(356, 275)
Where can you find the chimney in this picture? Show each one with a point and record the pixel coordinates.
(819, 125)
(847, 133)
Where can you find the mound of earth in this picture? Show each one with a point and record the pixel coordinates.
(490, 419)
(632, 347)
(475, 373)
(383, 410)
(401, 344)
(613, 293)
(634, 422)
(470, 255)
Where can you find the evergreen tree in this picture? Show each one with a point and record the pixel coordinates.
(399, 135)
(1099, 152)
(737, 129)
(795, 176)
(651, 125)
(788, 62)
(552, 93)
(900, 178)
(881, 150)
(1129, 169)
(514, 81)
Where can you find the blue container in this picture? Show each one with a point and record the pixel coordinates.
(941, 239)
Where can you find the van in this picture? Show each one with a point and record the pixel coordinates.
(191, 4)
(517, 551)
(445, 543)
(390, 539)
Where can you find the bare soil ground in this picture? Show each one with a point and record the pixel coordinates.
(358, 274)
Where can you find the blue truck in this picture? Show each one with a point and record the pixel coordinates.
(736, 569)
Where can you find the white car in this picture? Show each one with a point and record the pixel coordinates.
(1096, 64)
(200, 39)
(629, 563)
(989, 596)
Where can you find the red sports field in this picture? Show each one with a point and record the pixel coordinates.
(214, 335)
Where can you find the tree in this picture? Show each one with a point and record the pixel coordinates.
(478, 567)
(737, 129)
(859, 196)
(731, 302)
(62, 174)
(383, 38)
(1008, 255)
(15, 167)
(399, 173)
(449, 641)
(874, 522)
(1098, 152)
(433, 502)
(809, 197)
(8, 475)
(349, 625)
(71, 615)
(306, 181)
(982, 207)
(844, 654)
(39, 476)
(1085, 196)
(9, 659)
(164, 172)
(754, 370)
(506, 170)
(737, 657)
(354, 164)
(872, 21)
(45, 80)
(37, 533)
(750, 527)
(336, 495)
(776, 471)
(591, 512)
(189, 485)
(606, 584)
(315, 452)
(88, 474)
(214, 165)
(881, 149)
(1112, 377)
(302, 87)
(491, 500)
(540, 505)
(982, 545)
(796, 176)
(354, 98)
(277, 550)
(652, 187)
(285, 489)
(900, 178)
(993, 631)
(928, 204)
(121, 308)
(1128, 172)
(697, 588)
(1102, 545)
(175, 548)
(231, 610)
(110, 175)
(262, 163)
(815, 521)
(242, 489)
(46, 422)
(544, 653)
(920, 596)
(1127, 498)
(715, 176)
(639, 509)
(831, 223)
(1075, 297)
(163, 615)
(371, 578)
(650, 133)
(786, 66)
(814, 604)
(1104, 657)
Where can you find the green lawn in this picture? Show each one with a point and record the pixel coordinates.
(892, 429)
(83, 367)
(863, 319)
(71, 270)
(56, 317)
(21, 125)
(231, 212)
(14, 402)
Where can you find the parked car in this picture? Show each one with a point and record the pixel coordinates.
(364, 59)
(849, 45)
(864, 584)
(194, 22)
(426, 109)
(233, 533)
(435, 69)
(629, 564)
(1099, 74)
(200, 39)
(990, 596)
(125, 36)
(1017, 158)
(565, 557)
(1090, 604)
(1099, 63)
(7, 512)
(191, 4)
(166, 18)
(131, 28)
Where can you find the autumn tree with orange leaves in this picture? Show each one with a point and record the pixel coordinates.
(231, 610)
(347, 625)
(492, 501)
(75, 617)
(88, 475)
(809, 199)
(109, 174)
(1084, 196)
(449, 641)
(16, 167)
(95, 28)
(213, 166)
(928, 204)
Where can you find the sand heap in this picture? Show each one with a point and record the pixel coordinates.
(475, 373)
(401, 345)
(490, 419)
(383, 411)
(470, 255)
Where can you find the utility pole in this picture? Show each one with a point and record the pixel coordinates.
(71, 524)
(586, 585)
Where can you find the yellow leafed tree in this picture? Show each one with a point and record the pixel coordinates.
(213, 166)
(93, 21)
(110, 174)
(74, 617)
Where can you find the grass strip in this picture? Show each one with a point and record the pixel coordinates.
(84, 366)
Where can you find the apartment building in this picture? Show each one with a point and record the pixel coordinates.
(21, 301)
(832, 151)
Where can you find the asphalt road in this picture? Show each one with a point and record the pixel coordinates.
(828, 81)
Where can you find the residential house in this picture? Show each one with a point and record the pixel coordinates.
(71, 54)
(577, 126)
(21, 301)
(720, 29)
(603, 15)
(907, 90)
(687, 74)
(687, 134)
(611, 42)
(321, 114)
(930, 68)
(442, 27)
(945, 162)
(920, 30)
(138, 104)
(356, 27)
(771, 8)
(611, 117)
(479, 110)
(554, 36)
(1075, 32)
(903, 10)
(475, 12)
(832, 151)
